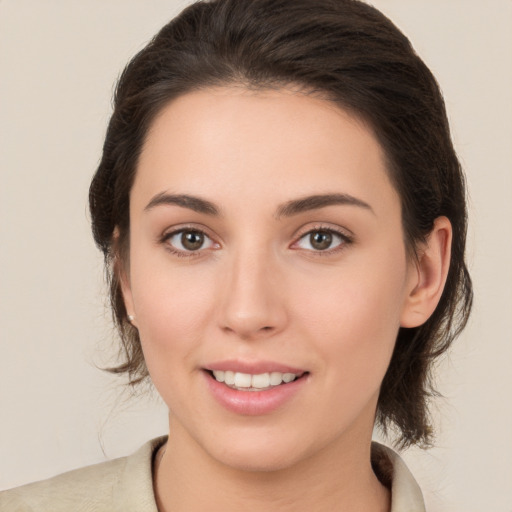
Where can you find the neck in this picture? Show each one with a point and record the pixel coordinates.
(338, 478)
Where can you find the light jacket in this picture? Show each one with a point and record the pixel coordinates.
(126, 485)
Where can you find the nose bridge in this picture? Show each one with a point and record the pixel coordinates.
(253, 304)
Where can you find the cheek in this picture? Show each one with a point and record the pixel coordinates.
(167, 293)
(354, 319)
(172, 308)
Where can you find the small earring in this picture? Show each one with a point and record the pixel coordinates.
(131, 318)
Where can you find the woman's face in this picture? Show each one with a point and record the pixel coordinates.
(266, 244)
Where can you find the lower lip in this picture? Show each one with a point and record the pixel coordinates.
(253, 403)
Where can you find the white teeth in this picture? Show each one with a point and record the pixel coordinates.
(276, 378)
(259, 381)
(219, 375)
(243, 380)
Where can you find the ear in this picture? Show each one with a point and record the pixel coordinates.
(122, 272)
(428, 275)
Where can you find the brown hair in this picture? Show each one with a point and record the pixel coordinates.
(352, 55)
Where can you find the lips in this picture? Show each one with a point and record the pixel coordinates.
(253, 388)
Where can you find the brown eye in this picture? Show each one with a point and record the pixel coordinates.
(320, 240)
(192, 240)
(188, 241)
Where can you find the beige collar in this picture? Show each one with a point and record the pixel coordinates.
(134, 491)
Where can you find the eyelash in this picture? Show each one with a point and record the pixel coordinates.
(345, 240)
(344, 237)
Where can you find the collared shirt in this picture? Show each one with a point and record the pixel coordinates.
(126, 485)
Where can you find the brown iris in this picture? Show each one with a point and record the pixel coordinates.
(192, 240)
(320, 240)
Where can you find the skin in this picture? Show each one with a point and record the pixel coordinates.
(257, 289)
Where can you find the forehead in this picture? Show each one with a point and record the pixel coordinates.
(234, 143)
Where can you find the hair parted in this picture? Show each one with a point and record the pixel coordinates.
(351, 54)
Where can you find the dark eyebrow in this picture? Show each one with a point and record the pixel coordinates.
(185, 201)
(319, 201)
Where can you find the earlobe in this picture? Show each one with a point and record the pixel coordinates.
(428, 275)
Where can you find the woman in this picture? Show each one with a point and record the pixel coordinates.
(283, 219)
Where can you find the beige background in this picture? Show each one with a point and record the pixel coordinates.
(58, 62)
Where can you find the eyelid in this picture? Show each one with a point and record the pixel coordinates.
(324, 226)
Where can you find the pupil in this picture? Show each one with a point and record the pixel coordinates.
(192, 240)
(321, 240)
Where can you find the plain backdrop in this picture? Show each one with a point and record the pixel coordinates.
(59, 60)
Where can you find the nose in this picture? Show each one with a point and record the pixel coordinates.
(253, 302)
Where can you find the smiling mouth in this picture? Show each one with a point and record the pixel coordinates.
(254, 382)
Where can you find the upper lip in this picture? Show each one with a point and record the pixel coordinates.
(253, 367)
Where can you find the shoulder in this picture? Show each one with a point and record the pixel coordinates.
(82, 489)
(121, 484)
